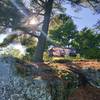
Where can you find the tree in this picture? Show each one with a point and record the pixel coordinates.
(87, 43)
(24, 39)
(97, 26)
(9, 20)
(11, 51)
(63, 32)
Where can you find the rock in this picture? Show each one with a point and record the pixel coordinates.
(15, 87)
(93, 76)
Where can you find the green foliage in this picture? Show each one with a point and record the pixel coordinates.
(29, 54)
(30, 43)
(91, 53)
(87, 43)
(72, 83)
(9, 39)
(30, 50)
(46, 57)
(10, 51)
(64, 31)
(71, 80)
(27, 57)
(78, 56)
(27, 40)
(9, 16)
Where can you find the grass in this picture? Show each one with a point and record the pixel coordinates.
(65, 58)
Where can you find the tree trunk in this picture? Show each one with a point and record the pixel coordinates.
(38, 56)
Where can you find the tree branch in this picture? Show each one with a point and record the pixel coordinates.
(27, 31)
(38, 14)
(37, 2)
(42, 1)
(91, 5)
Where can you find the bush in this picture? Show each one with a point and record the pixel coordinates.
(78, 56)
(29, 54)
(91, 53)
(46, 57)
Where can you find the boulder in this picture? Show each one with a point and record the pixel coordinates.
(15, 87)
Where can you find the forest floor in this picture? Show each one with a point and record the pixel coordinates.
(59, 68)
(82, 92)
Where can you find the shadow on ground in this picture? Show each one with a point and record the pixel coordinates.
(76, 83)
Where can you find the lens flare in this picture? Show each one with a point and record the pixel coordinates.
(33, 21)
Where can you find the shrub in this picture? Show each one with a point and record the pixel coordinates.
(91, 53)
(46, 57)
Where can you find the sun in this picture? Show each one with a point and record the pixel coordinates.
(33, 21)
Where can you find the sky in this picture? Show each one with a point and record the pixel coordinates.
(2, 36)
(87, 18)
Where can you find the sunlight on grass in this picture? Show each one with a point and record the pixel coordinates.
(62, 59)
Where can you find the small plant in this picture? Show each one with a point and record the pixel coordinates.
(78, 57)
(70, 78)
(72, 83)
(46, 57)
(66, 57)
(27, 57)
